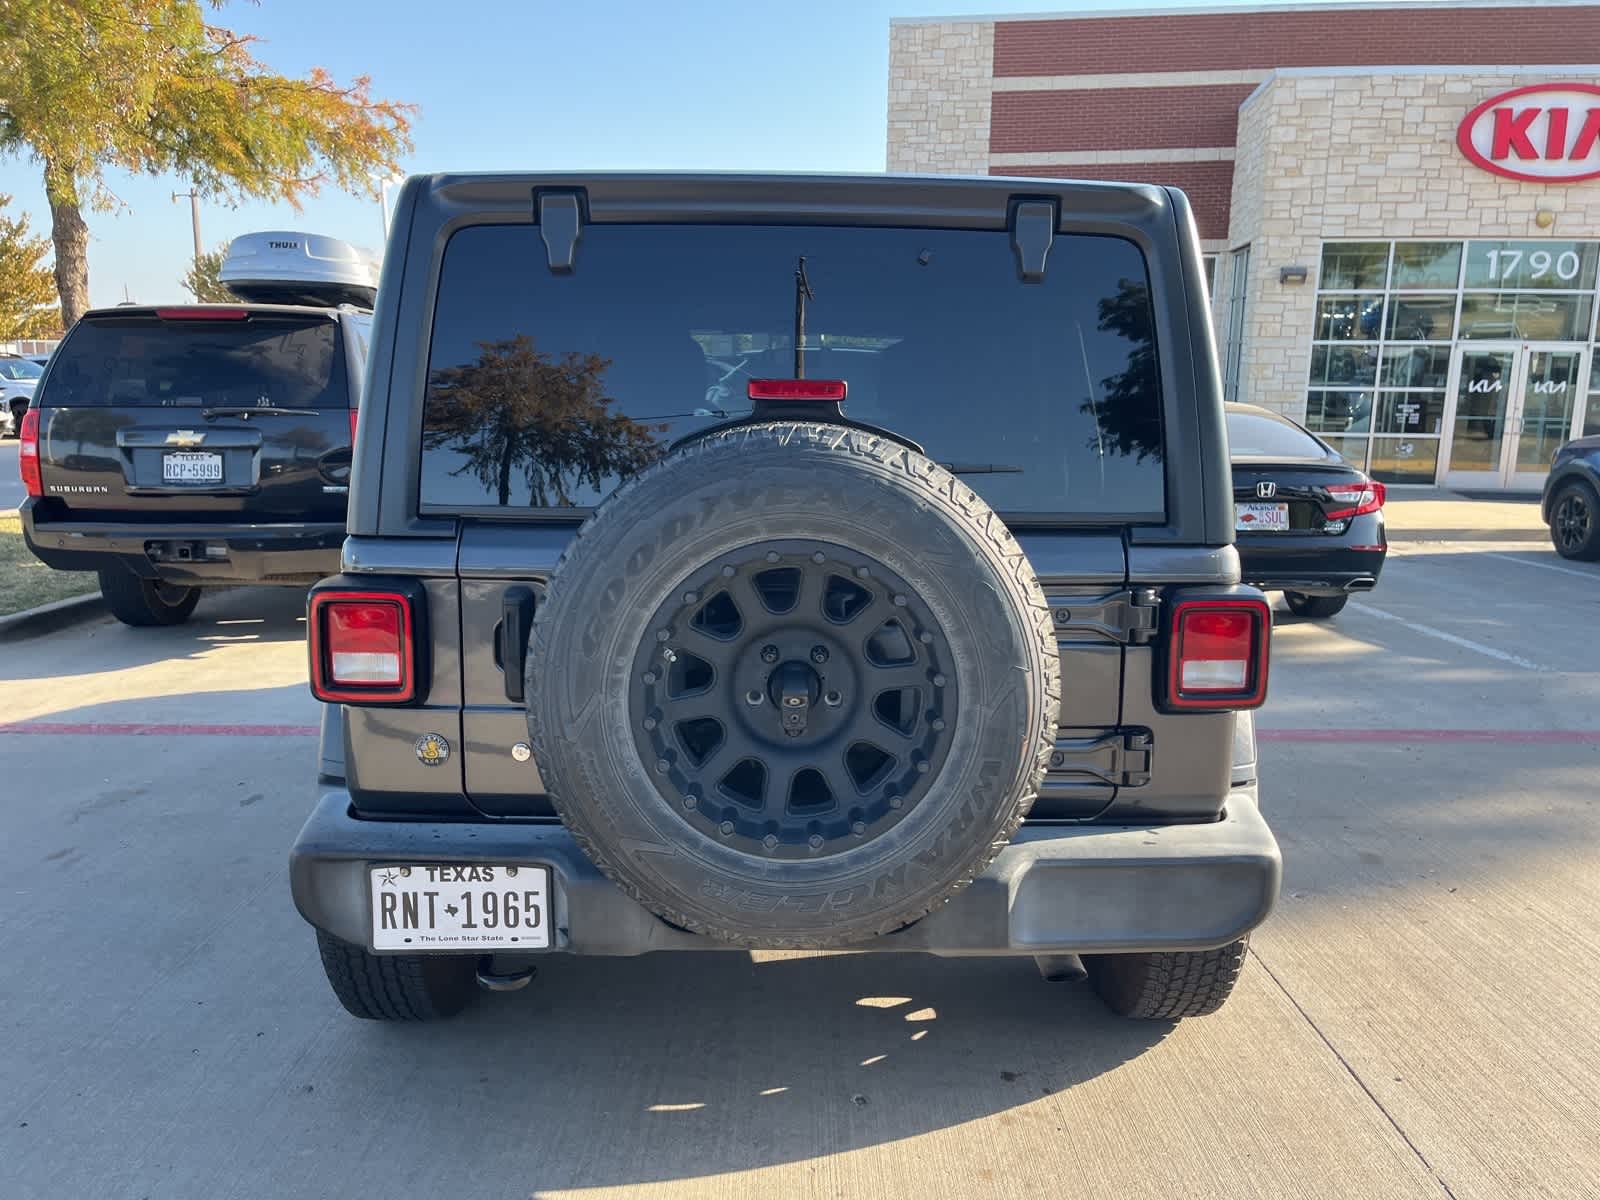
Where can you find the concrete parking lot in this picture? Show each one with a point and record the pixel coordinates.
(1419, 1017)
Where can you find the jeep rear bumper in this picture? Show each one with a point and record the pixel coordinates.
(1056, 889)
(190, 554)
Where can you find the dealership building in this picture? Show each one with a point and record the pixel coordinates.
(1399, 204)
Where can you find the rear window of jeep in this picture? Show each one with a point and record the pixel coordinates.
(545, 390)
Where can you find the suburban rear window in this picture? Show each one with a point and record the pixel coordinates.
(262, 362)
(545, 390)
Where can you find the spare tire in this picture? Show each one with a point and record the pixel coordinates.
(793, 686)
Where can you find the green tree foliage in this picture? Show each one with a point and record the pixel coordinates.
(201, 281)
(519, 409)
(152, 87)
(27, 286)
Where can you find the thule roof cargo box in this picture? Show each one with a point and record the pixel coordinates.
(280, 267)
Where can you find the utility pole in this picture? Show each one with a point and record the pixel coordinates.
(194, 217)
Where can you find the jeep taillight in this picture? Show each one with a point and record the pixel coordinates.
(1356, 499)
(363, 647)
(28, 453)
(1218, 653)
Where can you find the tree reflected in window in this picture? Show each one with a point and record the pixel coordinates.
(1127, 409)
(521, 417)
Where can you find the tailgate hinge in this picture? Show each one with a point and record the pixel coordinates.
(1128, 616)
(1121, 757)
(560, 218)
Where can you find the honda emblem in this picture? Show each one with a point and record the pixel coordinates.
(1266, 490)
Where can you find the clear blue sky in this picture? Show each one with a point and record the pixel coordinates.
(681, 84)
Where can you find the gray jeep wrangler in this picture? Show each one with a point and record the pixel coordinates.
(788, 562)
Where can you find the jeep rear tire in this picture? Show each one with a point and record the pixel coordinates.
(397, 987)
(1167, 985)
(142, 602)
(794, 686)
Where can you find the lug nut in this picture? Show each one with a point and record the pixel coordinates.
(770, 841)
(819, 558)
(899, 600)
(728, 572)
(769, 654)
(691, 597)
(663, 766)
(832, 699)
(819, 654)
(649, 724)
(649, 677)
(772, 556)
(936, 724)
(691, 803)
(663, 635)
(725, 829)
(895, 801)
(924, 637)
(858, 828)
(922, 766)
(753, 698)
(938, 681)
(863, 573)
(815, 841)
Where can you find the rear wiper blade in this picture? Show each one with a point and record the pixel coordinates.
(244, 411)
(961, 468)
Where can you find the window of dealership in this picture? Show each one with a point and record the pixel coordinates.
(1462, 361)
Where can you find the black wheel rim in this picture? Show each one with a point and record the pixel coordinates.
(775, 633)
(1572, 521)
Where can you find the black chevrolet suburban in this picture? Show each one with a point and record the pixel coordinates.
(788, 562)
(178, 447)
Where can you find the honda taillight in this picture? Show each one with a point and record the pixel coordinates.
(1355, 499)
(796, 389)
(1218, 653)
(28, 453)
(363, 647)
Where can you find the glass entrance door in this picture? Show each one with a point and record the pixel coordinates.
(1512, 404)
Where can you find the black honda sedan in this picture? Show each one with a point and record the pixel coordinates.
(1308, 524)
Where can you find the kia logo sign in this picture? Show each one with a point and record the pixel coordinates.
(1547, 133)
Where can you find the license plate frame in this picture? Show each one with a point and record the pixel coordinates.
(208, 459)
(421, 924)
(1252, 517)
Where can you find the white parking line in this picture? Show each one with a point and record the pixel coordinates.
(1453, 639)
(1592, 576)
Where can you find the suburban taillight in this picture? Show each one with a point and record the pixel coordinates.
(28, 453)
(796, 389)
(363, 647)
(1218, 653)
(1356, 498)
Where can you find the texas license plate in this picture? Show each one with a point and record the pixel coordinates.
(450, 906)
(1258, 518)
(191, 468)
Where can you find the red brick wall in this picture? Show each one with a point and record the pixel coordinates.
(1115, 118)
(1209, 185)
(1214, 41)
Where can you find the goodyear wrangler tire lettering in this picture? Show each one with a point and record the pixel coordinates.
(818, 697)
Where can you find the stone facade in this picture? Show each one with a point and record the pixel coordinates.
(941, 87)
(1336, 154)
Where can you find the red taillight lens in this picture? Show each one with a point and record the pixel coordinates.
(796, 389)
(354, 416)
(202, 312)
(1219, 653)
(28, 453)
(1356, 498)
(362, 647)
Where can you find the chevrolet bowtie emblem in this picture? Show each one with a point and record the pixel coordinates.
(185, 437)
